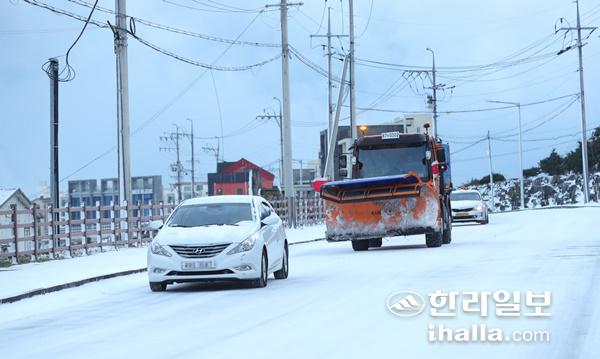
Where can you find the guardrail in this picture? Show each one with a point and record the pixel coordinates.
(34, 232)
(51, 233)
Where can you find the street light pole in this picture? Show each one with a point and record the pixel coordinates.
(522, 181)
(435, 115)
(492, 198)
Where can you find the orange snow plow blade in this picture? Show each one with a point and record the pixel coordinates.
(380, 207)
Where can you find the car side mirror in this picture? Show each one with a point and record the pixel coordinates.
(269, 220)
(155, 225)
(441, 155)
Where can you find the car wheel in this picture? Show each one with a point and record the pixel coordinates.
(283, 272)
(261, 282)
(434, 239)
(158, 286)
(360, 245)
(375, 242)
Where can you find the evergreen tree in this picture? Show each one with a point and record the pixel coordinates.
(554, 164)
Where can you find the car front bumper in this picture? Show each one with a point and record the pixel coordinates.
(226, 267)
(468, 216)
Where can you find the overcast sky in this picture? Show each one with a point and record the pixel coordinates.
(164, 91)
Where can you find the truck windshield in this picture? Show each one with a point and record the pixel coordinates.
(377, 161)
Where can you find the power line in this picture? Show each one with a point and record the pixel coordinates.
(198, 63)
(70, 76)
(511, 153)
(469, 146)
(210, 8)
(168, 105)
(181, 31)
(368, 20)
(470, 110)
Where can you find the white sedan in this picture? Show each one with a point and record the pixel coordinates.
(468, 206)
(219, 238)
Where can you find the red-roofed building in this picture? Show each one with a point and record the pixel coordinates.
(237, 177)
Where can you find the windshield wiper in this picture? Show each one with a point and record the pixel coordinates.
(180, 225)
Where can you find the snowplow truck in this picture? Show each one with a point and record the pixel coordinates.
(400, 185)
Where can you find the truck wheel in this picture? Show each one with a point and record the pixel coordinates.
(434, 239)
(375, 242)
(447, 227)
(447, 235)
(360, 245)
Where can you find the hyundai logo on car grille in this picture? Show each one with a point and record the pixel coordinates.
(206, 251)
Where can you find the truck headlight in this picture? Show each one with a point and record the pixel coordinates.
(159, 250)
(245, 245)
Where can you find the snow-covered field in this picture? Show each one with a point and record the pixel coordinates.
(333, 305)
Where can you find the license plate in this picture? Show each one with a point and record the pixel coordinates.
(462, 214)
(198, 265)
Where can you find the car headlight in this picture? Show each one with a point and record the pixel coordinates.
(159, 250)
(479, 208)
(245, 245)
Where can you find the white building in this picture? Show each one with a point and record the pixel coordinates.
(413, 122)
(9, 200)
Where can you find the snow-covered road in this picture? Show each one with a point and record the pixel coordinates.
(333, 305)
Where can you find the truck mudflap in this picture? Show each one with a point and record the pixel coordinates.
(380, 207)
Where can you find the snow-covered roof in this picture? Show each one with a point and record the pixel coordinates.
(5, 194)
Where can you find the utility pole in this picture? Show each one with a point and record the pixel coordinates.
(286, 118)
(215, 151)
(178, 166)
(491, 173)
(330, 108)
(584, 149)
(277, 118)
(431, 100)
(173, 140)
(435, 114)
(352, 74)
(331, 142)
(123, 136)
(281, 177)
(521, 176)
(191, 137)
(54, 192)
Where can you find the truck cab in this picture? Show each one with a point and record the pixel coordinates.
(397, 187)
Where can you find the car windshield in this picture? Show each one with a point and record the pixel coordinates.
(211, 214)
(377, 161)
(465, 196)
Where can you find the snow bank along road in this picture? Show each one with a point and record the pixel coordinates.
(333, 305)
